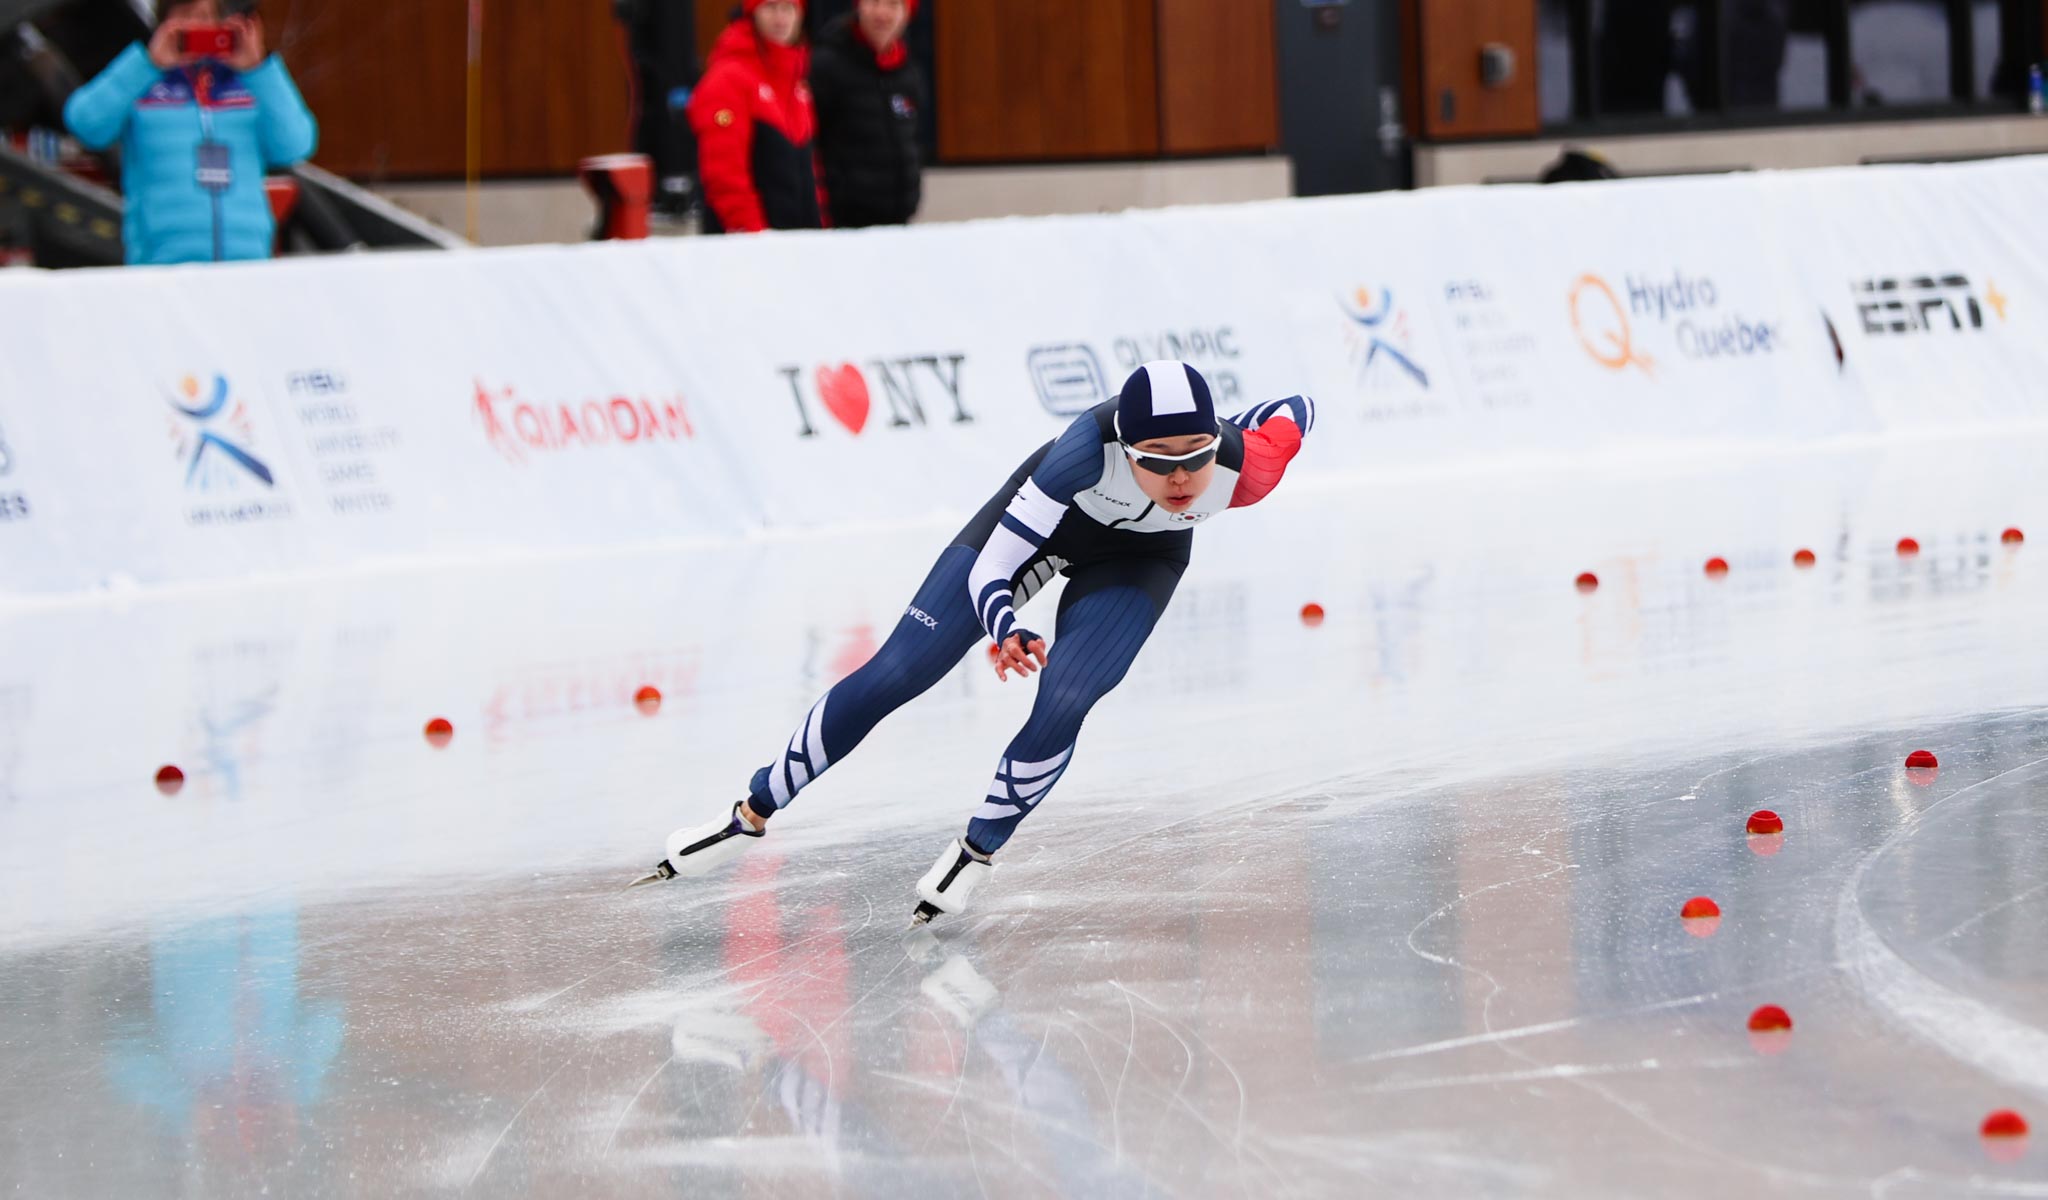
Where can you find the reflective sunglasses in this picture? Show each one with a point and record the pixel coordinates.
(1167, 464)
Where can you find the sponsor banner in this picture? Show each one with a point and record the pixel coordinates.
(14, 505)
(204, 423)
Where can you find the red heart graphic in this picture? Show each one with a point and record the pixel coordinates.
(845, 393)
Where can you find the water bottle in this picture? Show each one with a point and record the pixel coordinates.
(2037, 91)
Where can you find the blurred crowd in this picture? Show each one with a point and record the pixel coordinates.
(784, 131)
(788, 120)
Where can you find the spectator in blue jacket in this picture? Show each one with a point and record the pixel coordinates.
(196, 135)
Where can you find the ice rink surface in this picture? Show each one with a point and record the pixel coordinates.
(1388, 906)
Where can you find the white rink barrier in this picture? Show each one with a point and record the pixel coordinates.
(222, 422)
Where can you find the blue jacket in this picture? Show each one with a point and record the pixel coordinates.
(158, 118)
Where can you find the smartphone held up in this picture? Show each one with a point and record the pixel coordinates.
(207, 41)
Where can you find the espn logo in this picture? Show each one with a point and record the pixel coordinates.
(1068, 378)
(1922, 304)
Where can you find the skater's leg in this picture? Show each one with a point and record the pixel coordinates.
(936, 629)
(1108, 611)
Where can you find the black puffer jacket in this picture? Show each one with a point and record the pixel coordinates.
(867, 128)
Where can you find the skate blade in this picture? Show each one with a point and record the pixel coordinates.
(655, 876)
(924, 914)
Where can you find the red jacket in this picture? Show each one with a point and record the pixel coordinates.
(752, 114)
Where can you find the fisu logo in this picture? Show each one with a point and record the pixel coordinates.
(1378, 332)
(214, 451)
(847, 394)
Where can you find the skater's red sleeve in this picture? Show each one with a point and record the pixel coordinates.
(1267, 451)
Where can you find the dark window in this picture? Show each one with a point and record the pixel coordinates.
(1993, 27)
(1554, 73)
(1901, 52)
(1628, 63)
(1648, 55)
(1803, 77)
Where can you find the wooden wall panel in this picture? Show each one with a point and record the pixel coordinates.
(714, 15)
(388, 83)
(1446, 99)
(1217, 89)
(1049, 79)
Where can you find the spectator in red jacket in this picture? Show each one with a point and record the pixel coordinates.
(752, 113)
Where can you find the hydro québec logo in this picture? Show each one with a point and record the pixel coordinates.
(1690, 305)
(1610, 321)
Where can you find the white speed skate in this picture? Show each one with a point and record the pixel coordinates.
(950, 883)
(701, 849)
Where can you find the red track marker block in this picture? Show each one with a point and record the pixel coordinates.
(648, 700)
(1701, 916)
(2005, 1123)
(1770, 1029)
(1717, 566)
(1764, 821)
(439, 732)
(2005, 1136)
(1311, 614)
(1922, 759)
(169, 780)
(1908, 547)
(1769, 1019)
(1587, 581)
(1803, 558)
(2012, 536)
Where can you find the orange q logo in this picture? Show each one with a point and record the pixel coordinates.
(1602, 326)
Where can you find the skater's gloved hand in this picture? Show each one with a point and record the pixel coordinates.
(1023, 652)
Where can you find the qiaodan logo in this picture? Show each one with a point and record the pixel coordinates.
(1682, 312)
(848, 395)
(1380, 338)
(215, 436)
(517, 427)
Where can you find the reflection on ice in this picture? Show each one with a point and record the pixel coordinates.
(1385, 905)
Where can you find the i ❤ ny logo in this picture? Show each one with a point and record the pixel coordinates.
(892, 391)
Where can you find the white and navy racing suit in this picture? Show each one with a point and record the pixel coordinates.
(1073, 508)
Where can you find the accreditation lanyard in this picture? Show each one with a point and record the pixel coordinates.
(214, 169)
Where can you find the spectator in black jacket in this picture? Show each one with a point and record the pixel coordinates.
(868, 94)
